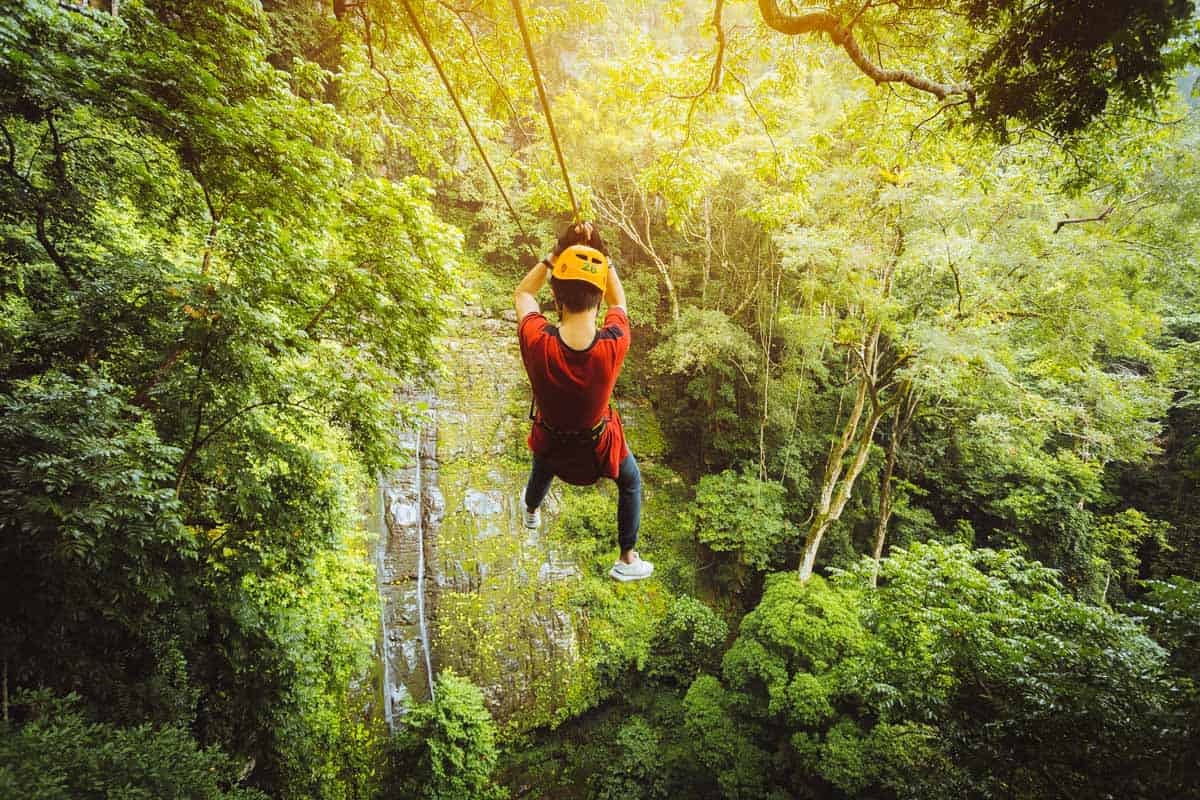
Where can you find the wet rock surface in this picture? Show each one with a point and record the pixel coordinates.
(410, 507)
(492, 597)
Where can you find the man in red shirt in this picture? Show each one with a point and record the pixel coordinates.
(572, 367)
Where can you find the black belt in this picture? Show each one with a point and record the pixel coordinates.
(592, 434)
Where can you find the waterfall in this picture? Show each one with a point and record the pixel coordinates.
(410, 510)
(451, 532)
(424, 630)
(380, 550)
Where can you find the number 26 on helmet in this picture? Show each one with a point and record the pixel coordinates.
(582, 263)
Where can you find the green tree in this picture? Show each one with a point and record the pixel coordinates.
(1047, 66)
(1171, 611)
(967, 660)
(446, 748)
(211, 286)
(688, 642)
(739, 514)
(60, 754)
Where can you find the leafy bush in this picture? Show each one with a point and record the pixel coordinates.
(632, 773)
(706, 364)
(1171, 610)
(60, 755)
(86, 507)
(738, 513)
(325, 746)
(687, 642)
(950, 679)
(446, 749)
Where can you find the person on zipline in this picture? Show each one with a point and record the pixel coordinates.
(572, 367)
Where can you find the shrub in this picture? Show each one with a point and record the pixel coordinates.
(447, 747)
(965, 673)
(58, 754)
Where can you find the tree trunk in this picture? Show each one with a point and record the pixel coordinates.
(708, 249)
(836, 493)
(209, 241)
(823, 515)
(885, 503)
(811, 543)
(857, 433)
(762, 423)
(820, 21)
(900, 425)
(143, 394)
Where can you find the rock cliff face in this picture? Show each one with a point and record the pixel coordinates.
(410, 508)
(462, 583)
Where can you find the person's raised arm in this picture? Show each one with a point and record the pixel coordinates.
(614, 292)
(525, 297)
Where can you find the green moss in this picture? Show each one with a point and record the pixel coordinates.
(490, 292)
(499, 624)
(642, 431)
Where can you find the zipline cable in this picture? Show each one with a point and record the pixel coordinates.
(461, 113)
(537, 77)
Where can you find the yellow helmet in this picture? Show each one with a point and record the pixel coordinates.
(582, 263)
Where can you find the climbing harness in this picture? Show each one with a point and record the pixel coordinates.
(593, 434)
(572, 457)
(537, 77)
(437, 64)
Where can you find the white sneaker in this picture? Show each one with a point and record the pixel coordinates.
(636, 571)
(532, 519)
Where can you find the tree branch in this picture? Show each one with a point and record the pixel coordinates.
(619, 217)
(483, 63)
(714, 76)
(198, 446)
(41, 210)
(713, 84)
(824, 22)
(12, 150)
(715, 79)
(143, 394)
(761, 121)
(312, 323)
(187, 460)
(1103, 215)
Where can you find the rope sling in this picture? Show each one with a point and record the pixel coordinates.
(437, 64)
(542, 98)
(537, 77)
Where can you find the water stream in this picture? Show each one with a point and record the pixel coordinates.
(422, 624)
(462, 584)
(380, 528)
(410, 503)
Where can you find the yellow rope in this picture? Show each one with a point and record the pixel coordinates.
(450, 89)
(537, 77)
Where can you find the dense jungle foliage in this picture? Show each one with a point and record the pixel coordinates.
(915, 289)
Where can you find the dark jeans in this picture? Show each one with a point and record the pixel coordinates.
(629, 497)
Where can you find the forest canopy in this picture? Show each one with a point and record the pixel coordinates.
(913, 380)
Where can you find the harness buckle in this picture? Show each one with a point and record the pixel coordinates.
(592, 434)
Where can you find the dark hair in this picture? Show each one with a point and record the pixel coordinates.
(575, 296)
(570, 237)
